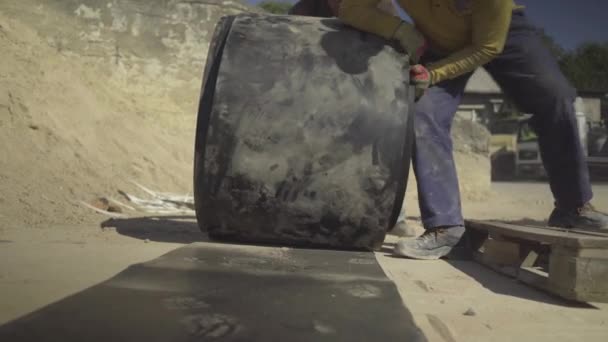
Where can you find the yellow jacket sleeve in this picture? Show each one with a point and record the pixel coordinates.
(490, 25)
(366, 16)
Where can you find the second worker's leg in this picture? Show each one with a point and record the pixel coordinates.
(530, 76)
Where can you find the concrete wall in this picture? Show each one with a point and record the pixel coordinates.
(591, 106)
(480, 107)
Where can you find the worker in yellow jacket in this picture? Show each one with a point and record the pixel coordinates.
(448, 41)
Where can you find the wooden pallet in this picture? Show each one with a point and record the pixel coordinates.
(572, 264)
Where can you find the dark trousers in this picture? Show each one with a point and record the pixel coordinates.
(529, 76)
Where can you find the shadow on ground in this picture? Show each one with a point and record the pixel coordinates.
(174, 229)
(504, 285)
(461, 259)
(209, 292)
(184, 229)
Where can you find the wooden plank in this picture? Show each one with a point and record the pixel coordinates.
(590, 232)
(534, 277)
(530, 259)
(578, 261)
(547, 235)
(501, 252)
(593, 253)
(579, 277)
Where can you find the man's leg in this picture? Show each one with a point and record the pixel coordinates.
(438, 192)
(530, 76)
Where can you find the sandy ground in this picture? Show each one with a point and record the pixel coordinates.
(39, 266)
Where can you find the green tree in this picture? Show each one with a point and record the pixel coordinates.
(275, 7)
(550, 43)
(587, 66)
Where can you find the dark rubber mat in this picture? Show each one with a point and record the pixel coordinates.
(209, 292)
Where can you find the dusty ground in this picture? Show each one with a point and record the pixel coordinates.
(41, 265)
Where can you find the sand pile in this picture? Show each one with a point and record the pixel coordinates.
(94, 94)
(68, 134)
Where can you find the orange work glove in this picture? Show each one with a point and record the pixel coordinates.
(420, 78)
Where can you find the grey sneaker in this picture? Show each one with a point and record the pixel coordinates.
(586, 217)
(433, 244)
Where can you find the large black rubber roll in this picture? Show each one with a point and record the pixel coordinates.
(304, 133)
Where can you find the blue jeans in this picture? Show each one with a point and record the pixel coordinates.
(528, 75)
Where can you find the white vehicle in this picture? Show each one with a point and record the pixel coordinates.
(598, 162)
(528, 162)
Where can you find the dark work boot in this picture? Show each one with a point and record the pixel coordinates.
(433, 244)
(586, 217)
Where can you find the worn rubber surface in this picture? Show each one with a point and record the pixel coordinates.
(215, 292)
(304, 133)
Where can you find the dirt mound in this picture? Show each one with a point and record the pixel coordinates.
(93, 94)
(152, 51)
(470, 137)
(471, 155)
(68, 134)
